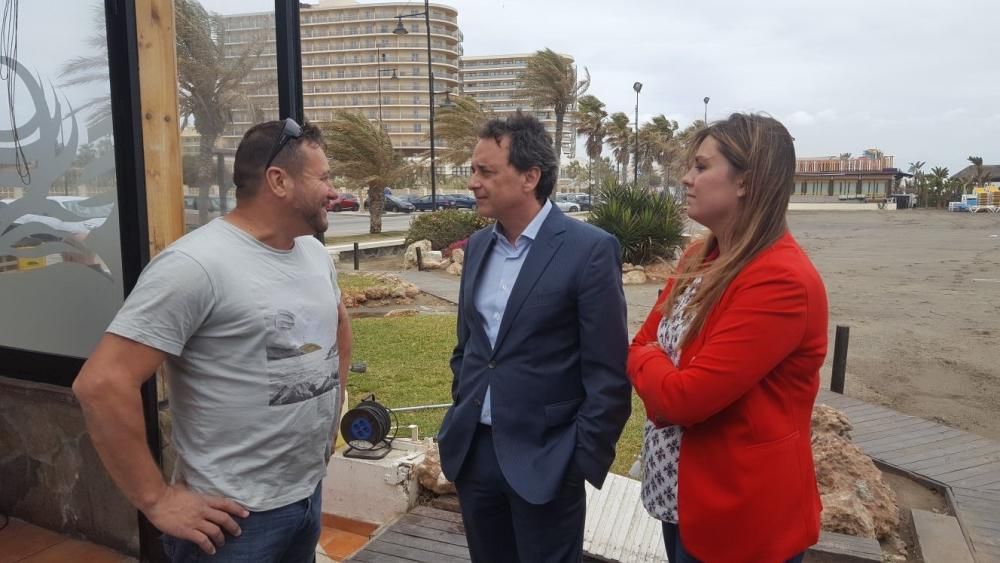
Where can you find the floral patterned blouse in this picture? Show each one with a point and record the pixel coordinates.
(661, 446)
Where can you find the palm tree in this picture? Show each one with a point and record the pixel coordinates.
(361, 151)
(977, 161)
(591, 119)
(550, 81)
(619, 136)
(657, 145)
(918, 180)
(210, 85)
(458, 126)
(939, 179)
(92, 69)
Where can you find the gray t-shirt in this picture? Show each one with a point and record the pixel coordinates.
(250, 336)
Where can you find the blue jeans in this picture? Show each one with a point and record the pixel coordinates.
(677, 554)
(288, 534)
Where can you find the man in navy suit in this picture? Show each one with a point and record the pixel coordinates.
(540, 392)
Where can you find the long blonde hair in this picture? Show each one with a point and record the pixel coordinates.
(760, 148)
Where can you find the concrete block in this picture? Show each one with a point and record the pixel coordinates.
(940, 538)
(376, 491)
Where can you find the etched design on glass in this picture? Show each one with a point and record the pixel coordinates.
(39, 229)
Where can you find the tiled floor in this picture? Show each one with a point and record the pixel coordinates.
(21, 542)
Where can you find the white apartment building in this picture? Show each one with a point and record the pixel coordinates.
(349, 56)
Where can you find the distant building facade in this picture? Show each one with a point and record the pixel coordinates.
(872, 175)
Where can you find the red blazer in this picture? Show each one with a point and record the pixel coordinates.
(744, 392)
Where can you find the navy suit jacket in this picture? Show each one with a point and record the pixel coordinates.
(560, 395)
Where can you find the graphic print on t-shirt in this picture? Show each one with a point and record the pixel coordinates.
(301, 360)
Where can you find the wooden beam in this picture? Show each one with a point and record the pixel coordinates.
(160, 123)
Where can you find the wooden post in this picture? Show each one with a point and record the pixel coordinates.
(840, 359)
(420, 260)
(160, 125)
(357, 257)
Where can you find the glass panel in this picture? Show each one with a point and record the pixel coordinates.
(60, 254)
(228, 81)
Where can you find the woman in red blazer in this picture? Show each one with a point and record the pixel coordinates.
(727, 363)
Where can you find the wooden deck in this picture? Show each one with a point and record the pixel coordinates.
(964, 464)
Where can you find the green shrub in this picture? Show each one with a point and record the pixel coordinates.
(646, 224)
(445, 227)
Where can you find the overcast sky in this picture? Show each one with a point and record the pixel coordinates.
(919, 80)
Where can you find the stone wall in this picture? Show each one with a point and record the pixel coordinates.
(50, 474)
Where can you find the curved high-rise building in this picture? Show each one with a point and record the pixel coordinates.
(352, 59)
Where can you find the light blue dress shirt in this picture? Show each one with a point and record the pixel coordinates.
(499, 274)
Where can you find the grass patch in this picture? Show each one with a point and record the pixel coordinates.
(358, 283)
(347, 239)
(407, 361)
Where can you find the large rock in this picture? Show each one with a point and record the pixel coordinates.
(844, 513)
(410, 257)
(634, 277)
(660, 270)
(458, 256)
(430, 476)
(455, 269)
(434, 260)
(828, 419)
(844, 472)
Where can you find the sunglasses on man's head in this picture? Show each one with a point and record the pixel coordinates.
(290, 130)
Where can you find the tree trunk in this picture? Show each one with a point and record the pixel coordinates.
(376, 206)
(206, 170)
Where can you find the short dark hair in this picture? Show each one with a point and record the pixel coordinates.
(256, 147)
(530, 146)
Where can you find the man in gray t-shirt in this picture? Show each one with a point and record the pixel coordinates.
(245, 315)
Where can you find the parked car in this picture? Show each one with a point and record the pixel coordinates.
(345, 201)
(393, 203)
(567, 204)
(445, 201)
(462, 201)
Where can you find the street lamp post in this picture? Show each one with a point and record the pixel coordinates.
(706, 110)
(379, 58)
(637, 86)
(400, 30)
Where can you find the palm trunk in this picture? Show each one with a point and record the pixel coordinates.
(206, 169)
(376, 206)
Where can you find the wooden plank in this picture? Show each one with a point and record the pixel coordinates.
(21, 539)
(372, 557)
(965, 492)
(872, 418)
(410, 553)
(426, 544)
(915, 454)
(989, 481)
(957, 471)
(430, 534)
(928, 437)
(433, 523)
(161, 137)
(841, 547)
(437, 514)
(893, 428)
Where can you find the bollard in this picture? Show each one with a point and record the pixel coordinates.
(840, 359)
(357, 257)
(420, 261)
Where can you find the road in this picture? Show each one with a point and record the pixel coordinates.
(356, 223)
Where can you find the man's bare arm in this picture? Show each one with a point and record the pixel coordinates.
(344, 344)
(108, 388)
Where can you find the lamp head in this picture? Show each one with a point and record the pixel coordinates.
(637, 87)
(400, 30)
